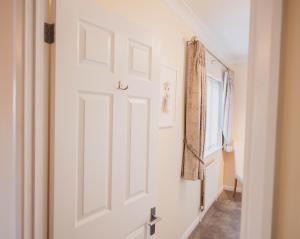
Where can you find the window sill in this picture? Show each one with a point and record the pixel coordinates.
(211, 151)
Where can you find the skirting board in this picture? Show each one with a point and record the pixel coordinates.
(192, 227)
(231, 188)
(198, 219)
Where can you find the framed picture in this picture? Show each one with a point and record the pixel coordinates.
(167, 105)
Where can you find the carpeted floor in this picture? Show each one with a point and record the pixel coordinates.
(223, 219)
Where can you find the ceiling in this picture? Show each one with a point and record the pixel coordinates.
(228, 22)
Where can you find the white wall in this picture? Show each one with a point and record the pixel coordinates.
(178, 200)
(238, 123)
(7, 166)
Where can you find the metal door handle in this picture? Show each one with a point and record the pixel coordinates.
(154, 221)
(120, 87)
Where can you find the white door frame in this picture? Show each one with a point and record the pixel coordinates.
(261, 117)
(11, 119)
(36, 107)
(264, 57)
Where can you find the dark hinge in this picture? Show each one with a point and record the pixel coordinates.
(49, 30)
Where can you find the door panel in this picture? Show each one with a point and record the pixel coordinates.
(95, 156)
(96, 45)
(139, 60)
(104, 138)
(140, 233)
(138, 148)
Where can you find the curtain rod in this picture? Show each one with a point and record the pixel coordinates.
(210, 53)
(216, 58)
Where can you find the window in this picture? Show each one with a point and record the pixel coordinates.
(213, 137)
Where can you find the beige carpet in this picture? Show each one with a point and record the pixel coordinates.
(223, 219)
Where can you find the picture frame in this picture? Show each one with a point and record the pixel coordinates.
(167, 104)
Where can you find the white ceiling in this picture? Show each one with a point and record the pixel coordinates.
(227, 21)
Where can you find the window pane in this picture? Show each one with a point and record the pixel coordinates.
(213, 136)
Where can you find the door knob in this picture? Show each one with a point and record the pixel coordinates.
(121, 87)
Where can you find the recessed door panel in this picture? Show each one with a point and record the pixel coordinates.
(95, 154)
(137, 148)
(139, 60)
(96, 45)
(139, 233)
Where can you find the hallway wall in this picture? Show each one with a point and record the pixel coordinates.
(287, 193)
(178, 200)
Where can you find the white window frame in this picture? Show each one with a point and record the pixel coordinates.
(216, 147)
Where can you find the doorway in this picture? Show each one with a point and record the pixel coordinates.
(249, 123)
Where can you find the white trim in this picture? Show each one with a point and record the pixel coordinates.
(28, 119)
(199, 218)
(35, 121)
(207, 207)
(231, 188)
(191, 228)
(18, 115)
(261, 115)
(212, 151)
(12, 133)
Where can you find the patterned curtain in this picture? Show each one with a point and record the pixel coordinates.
(195, 115)
(193, 166)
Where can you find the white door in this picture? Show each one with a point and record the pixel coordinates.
(104, 138)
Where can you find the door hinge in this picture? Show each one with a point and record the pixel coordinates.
(49, 32)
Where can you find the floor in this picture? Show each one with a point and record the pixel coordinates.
(223, 219)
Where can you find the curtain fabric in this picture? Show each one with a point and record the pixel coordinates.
(195, 114)
(227, 111)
